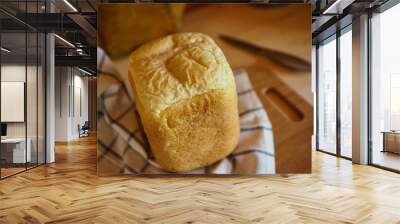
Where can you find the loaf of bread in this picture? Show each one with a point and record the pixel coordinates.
(122, 27)
(185, 93)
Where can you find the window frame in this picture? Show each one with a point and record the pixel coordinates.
(29, 29)
(333, 37)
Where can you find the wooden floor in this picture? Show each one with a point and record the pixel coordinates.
(70, 192)
(10, 171)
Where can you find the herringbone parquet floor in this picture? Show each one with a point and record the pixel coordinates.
(70, 192)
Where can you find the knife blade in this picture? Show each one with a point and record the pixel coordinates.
(289, 61)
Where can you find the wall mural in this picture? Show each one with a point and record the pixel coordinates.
(211, 89)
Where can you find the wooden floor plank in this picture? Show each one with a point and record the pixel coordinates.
(69, 191)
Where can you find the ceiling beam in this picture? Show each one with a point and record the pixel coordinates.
(79, 61)
(86, 26)
(49, 22)
(337, 7)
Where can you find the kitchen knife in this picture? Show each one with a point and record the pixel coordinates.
(281, 58)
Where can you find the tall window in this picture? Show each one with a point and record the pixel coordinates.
(346, 93)
(385, 88)
(333, 54)
(327, 96)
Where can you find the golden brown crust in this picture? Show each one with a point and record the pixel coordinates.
(186, 97)
(124, 27)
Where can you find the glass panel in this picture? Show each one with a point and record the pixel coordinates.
(327, 96)
(31, 98)
(385, 87)
(23, 90)
(13, 87)
(32, 89)
(346, 94)
(41, 98)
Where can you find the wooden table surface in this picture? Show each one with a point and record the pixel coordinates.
(285, 28)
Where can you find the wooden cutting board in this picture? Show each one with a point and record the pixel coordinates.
(286, 95)
(291, 117)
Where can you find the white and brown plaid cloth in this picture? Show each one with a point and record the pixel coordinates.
(123, 147)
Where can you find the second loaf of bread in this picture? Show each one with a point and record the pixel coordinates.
(185, 94)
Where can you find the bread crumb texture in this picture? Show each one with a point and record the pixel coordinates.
(186, 97)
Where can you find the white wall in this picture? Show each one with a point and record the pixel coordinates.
(71, 94)
(61, 103)
(12, 73)
(81, 85)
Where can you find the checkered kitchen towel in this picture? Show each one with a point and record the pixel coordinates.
(123, 147)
